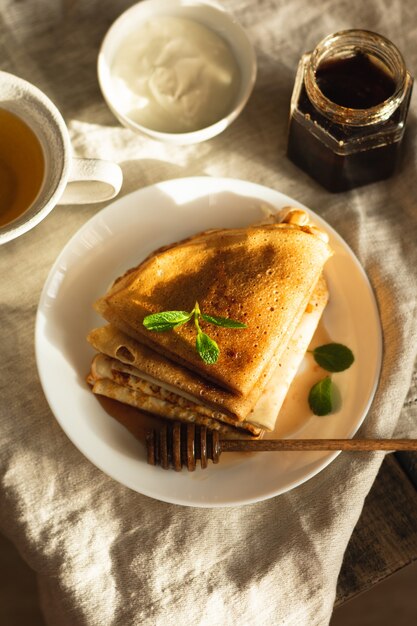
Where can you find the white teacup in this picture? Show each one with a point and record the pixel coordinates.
(29, 119)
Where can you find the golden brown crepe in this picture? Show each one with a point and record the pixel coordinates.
(268, 276)
(113, 379)
(152, 366)
(263, 276)
(124, 362)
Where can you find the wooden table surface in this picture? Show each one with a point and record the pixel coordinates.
(385, 537)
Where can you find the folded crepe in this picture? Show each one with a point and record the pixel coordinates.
(263, 276)
(268, 276)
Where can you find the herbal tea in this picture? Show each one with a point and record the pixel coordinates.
(22, 166)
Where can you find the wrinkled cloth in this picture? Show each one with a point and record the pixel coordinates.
(103, 554)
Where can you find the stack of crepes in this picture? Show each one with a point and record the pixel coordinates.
(269, 276)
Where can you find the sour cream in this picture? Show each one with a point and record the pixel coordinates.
(175, 75)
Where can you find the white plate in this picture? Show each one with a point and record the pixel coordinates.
(117, 238)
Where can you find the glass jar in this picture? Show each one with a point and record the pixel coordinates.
(348, 110)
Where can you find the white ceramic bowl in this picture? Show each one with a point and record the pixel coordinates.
(209, 15)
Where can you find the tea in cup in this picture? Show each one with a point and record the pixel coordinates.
(37, 169)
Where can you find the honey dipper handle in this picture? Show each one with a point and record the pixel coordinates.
(274, 445)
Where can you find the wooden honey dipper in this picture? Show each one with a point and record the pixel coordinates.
(178, 445)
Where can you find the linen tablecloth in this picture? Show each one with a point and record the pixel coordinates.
(105, 555)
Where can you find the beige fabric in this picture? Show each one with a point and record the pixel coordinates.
(105, 555)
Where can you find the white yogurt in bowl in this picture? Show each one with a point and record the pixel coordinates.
(175, 75)
(176, 70)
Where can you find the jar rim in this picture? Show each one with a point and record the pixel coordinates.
(367, 41)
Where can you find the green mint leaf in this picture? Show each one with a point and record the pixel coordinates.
(226, 322)
(320, 397)
(333, 357)
(166, 320)
(207, 348)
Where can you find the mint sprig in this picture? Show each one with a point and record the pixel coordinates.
(206, 347)
(167, 320)
(320, 397)
(332, 357)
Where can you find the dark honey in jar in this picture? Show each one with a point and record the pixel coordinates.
(348, 110)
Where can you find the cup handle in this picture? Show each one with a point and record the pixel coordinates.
(92, 180)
